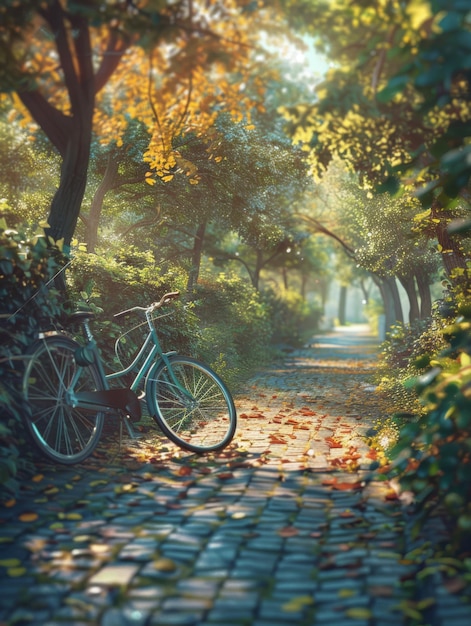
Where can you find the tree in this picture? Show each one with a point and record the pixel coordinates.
(376, 118)
(58, 55)
(362, 223)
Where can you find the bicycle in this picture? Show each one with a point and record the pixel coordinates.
(68, 393)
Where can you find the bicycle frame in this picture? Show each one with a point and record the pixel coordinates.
(109, 400)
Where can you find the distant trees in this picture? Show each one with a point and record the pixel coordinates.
(395, 106)
(379, 234)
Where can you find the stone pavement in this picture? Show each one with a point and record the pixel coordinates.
(288, 526)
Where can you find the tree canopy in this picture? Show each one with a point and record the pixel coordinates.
(78, 66)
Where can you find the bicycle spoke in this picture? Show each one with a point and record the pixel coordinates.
(195, 409)
(63, 432)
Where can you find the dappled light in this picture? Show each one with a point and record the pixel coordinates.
(295, 516)
(289, 442)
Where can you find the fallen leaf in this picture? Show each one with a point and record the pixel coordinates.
(381, 591)
(184, 471)
(69, 516)
(28, 517)
(276, 440)
(333, 443)
(15, 572)
(10, 562)
(165, 565)
(359, 613)
(38, 478)
(297, 604)
(288, 531)
(225, 475)
(342, 486)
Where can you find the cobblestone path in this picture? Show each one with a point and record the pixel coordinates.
(286, 527)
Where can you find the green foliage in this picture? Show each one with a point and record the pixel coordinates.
(235, 326)
(439, 69)
(110, 284)
(293, 319)
(405, 354)
(433, 454)
(26, 265)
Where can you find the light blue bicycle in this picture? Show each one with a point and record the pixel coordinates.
(67, 393)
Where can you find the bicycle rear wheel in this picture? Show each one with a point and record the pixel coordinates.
(63, 433)
(198, 414)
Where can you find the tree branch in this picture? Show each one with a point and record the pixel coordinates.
(320, 228)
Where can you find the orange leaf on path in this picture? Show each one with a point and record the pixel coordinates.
(184, 471)
(276, 440)
(306, 411)
(225, 476)
(341, 486)
(332, 443)
(28, 517)
(288, 531)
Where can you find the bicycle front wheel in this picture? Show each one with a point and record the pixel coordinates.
(191, 404)
(62, 432)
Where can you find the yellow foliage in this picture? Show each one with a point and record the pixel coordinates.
(419, 11)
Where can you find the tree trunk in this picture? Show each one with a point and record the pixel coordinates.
(93, 218)
(284, 273)
(258, 268)
(423, 285)
(396, 300)
(409, 286)
(196, 255)
(304, 281)
(388, 305)
(451, 252)
(71, 133)
(342, 312)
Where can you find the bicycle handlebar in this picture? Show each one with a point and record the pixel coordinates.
(165, 299)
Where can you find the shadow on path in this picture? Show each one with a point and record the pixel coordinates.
(289, 525)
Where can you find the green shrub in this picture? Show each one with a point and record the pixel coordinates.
(293, 319)
(110, 284)
(235, 326)
(406, 353)
(433, 454)
(27, 305)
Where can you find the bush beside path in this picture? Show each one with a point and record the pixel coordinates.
(289, 525)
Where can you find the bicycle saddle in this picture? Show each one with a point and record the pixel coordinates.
(79, 317)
